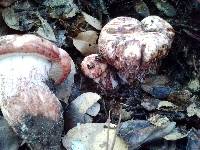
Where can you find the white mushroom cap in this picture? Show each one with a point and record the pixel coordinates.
(135, 47)
(93, 67)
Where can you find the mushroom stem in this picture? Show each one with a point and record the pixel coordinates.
(27, 103)
(107, 80)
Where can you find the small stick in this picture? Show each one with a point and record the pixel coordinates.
(103, 7)
(117, 129)
(108, 121)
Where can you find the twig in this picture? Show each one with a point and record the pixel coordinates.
(81, 82)
(194, 63)
(103, 7)
(104, 106)
(104, 10)
(197, 37)
(108, 121)
(117, 129)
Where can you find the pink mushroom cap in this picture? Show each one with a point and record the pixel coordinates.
(93, 67)
(27, 103)
(34, 45)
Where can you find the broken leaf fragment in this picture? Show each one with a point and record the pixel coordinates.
(82, 108)
(176, 134)
(137, 132)
(165, 7)
(6, 3)
(86, 42)
(92, 21)
(159, 120)
(22, 20)
(85, 101)
(141, 8)
(10, 18)
(160, 92)
(156, 80)
(150, 104)
(8, 139)
(193, 139)
(92, 136)
(193, 109)
(166, 105)
(194, 85)
(4, 28)
(125, 115)
(61, 8)
(45, 30)
(180, 98)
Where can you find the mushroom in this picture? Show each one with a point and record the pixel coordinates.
(134, 48)
(94, 67)
(27, 63)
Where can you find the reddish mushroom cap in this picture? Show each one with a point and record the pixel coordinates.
(31, 44)
(93, 67)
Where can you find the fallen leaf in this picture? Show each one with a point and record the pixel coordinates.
(165, 7)
(159, 120)
(92, 136)
(92, 21)
(165, 104)
(137, 132)
(85, 101)
(86, 42)
(94, 109)
(22, 20)
(176, 134)
(45, 30)
(193, 139)
(141, 8)
(61, 8)
(193, 109)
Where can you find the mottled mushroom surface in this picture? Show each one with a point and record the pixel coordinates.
(96, 68)
(135, 47)
(27, 63)
(93, 67)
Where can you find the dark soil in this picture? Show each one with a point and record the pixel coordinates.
(181, 65)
